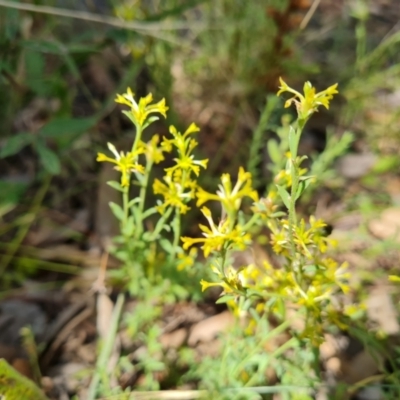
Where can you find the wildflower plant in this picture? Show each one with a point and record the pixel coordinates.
(142, 249)
(307, 278)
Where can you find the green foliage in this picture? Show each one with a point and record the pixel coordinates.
(302, 287)
(308, 277)
(14, 386)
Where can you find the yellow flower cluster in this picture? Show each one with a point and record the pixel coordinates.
(308, 103)
(139, 112)
(229, 233)
(125, 163)
(218, 237)
(178, 186)
(230, 198)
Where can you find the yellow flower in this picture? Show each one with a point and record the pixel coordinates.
(186, 260)
(125, 163)
(308, 103)
(231, 280)
(174, 193)
(140, 111)
(185, 145)
(217, 237)
(153, 152)
(231, 198)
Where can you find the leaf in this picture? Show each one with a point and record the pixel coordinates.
(148, 212)
(273, 151)
(134, 201)
(292, 142)
(302, 187)
(34, 64)
(130, 116)
(129, 227)
(117, 210)
(166, 246)
(225, 299)
(65, 129)
(284, 196)
(149, 121)
(45, 46)
(10, 194)
(48, 158)
(15, 143)
(115, 185)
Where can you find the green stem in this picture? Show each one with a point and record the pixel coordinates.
(160, 224)
(223, 260)
(125, 203)
(249, 224)
(142, 196)
(143, 187)
(177, 232)
(294, 170)
(138, 136)
(295, 183)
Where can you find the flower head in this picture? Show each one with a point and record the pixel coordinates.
(125, 163)
(217, 237)
(308, 103)
(175, 194)
(139, 112)
(231, 198)
(185, 146)
(154, 152)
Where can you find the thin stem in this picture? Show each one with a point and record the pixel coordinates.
(160, 224)
(105, 354)
(294, 170)
(295, 182)
(223, 260)
(177, 232)
(138, 136)
(125, 203)
(143, 187)
(249, 224)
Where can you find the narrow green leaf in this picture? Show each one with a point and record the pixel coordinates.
(166, 246)
(129, 227)
(150, 120)
(300, 189)
(67, 126)
(292, 142)
(34, 64)
(303, 185)
(225, 299)
(115, 185)
(15, 143)
(148, 212)
(11, 192)
(133, 202)
(273, 151)
(48, 158)
(284, 196)
(130, 116)
(117, 210)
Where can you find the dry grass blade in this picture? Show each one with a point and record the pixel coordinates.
(112, 21)
(160, 395)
